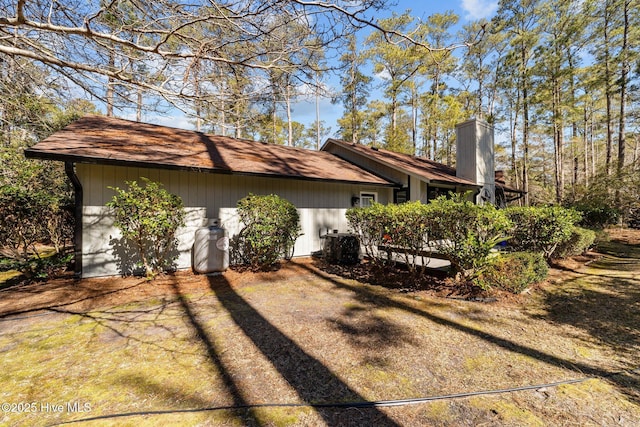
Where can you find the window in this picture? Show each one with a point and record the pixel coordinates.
(435, 192)
(400, 195)
(367, 199)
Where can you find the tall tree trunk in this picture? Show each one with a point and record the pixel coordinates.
(197, 100)
(274, 117)
(353, 102)
(238, 123)
(558, 141)
(514, 129)
(223, 117)
(525, 125)
(594, 152)
(574, 127)
(110, 84)
(394, 111)
(139, 106)
(608, 87)
(414, 118)
(585, 141)
(318, 142)
(624, 70)
(525, 146)
(289, 121)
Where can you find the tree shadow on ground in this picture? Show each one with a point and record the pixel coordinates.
(619, 248)
(604, 301)
(369, 331)
(397, 277)
(314, 383)
(123, 326)
(628, 382)
(609, 310)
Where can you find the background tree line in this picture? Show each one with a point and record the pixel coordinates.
(558, 78)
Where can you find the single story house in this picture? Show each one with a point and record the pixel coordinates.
(211, 173)
(418, 178)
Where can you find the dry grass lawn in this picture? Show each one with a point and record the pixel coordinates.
(299, 345)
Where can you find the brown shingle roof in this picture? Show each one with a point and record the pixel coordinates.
(105, 140)
(428, 169)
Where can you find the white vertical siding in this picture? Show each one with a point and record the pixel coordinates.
(415, 189)
(321, 206)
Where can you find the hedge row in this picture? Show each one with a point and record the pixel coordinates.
(456, 228)
(30, 217)
(467, 235)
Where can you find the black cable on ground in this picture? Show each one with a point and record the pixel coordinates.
(11, 317)
(343, 405)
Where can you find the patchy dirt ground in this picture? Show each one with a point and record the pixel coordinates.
(244, 348)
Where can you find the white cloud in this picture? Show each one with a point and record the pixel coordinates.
(477, 9)
(174, 119)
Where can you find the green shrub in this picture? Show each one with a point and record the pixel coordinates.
(405, 226)
(466, 233)
(370, 224)
(597, 216)
(408, 226)
(23, 220)
(541, 229)
(633, 218)
(271, 227)
(38, 267)
(29, 217)
(148, 216)
(579, 242)
(514, 271)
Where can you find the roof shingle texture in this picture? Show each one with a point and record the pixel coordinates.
(418, 166)
(106, 140)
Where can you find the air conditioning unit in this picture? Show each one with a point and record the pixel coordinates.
(342, 248)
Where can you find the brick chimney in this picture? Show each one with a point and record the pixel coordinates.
(475, 157)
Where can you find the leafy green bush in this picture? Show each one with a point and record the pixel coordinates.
(610, 198)
(149, 216)
(28, 217)
(23, 220)
(370, 224)
(38, 267)
(405, 226)
(408, 226)
(466, 233)
(271, 227)
(597, 216)
(633, 218)
(60, 223)
(514, 271)
(579, 242)
(541, 229)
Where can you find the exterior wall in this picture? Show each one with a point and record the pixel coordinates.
(321, 205)
(475, 156)
(415, 189)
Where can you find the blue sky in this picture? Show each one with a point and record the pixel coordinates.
(305, 111)
(467, 10)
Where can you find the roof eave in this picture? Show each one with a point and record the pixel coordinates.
(43, 155)
(348, 147)
(394, 166)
